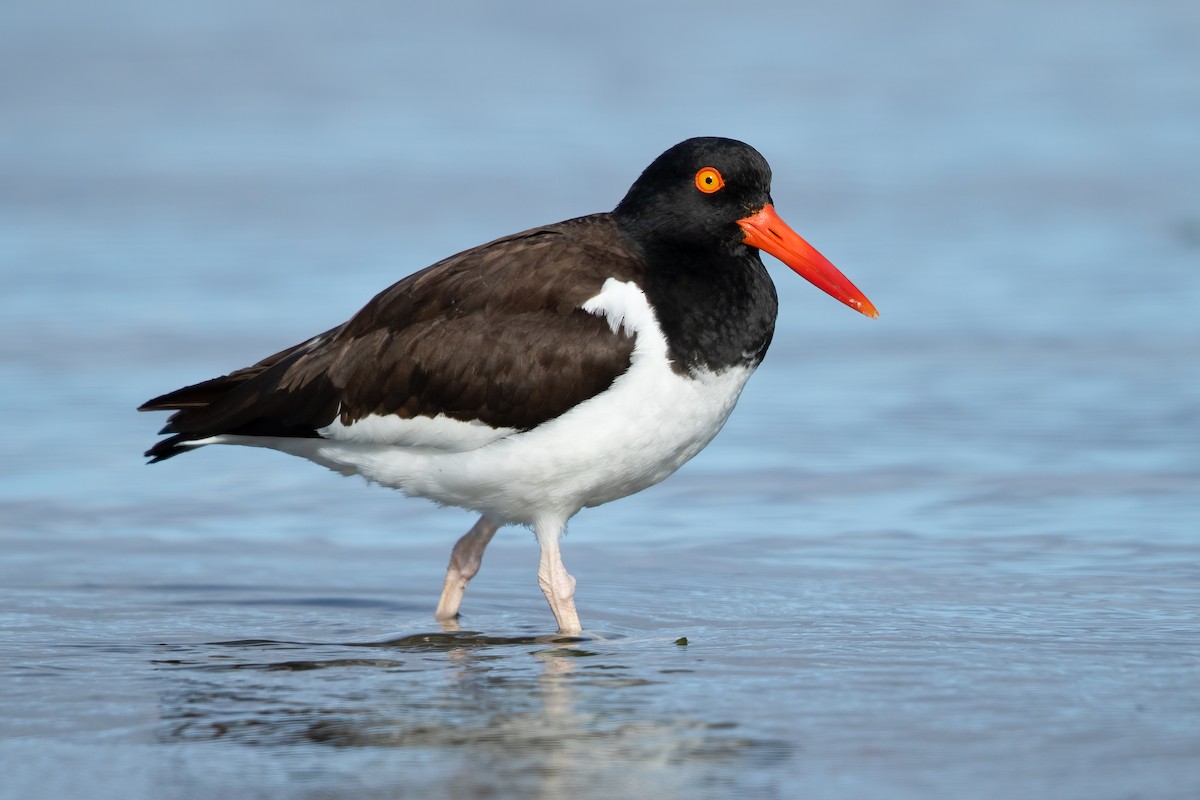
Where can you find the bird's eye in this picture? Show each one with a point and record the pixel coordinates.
(709, 180)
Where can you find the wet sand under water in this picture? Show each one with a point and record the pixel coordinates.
(885, 663)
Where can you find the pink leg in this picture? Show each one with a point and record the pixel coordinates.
(557, 584)
(464, 564)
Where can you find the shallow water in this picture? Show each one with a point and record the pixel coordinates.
(950, 552)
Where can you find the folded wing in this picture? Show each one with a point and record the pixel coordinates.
(493, 336)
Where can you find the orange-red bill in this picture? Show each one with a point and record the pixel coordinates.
(766, 231)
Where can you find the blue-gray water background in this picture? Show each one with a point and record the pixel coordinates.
(952, 552)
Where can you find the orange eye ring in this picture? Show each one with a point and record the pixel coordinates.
(709, 180)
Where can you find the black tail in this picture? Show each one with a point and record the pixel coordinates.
(169, 447)
(282, 395)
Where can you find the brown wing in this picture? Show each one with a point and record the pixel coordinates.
(494, 334)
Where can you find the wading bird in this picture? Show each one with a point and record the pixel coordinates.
(542, 373)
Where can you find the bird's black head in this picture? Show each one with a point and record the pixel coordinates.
(693, 195)
(707, 201)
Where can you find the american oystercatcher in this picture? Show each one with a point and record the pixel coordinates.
(541, 373)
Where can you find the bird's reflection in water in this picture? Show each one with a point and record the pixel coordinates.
(545, 715)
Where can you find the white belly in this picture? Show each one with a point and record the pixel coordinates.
(631, 436)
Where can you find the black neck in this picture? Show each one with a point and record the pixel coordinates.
(717, 310)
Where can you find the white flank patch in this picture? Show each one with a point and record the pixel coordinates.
(436, 433)
(624, 305)
(644, 427)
